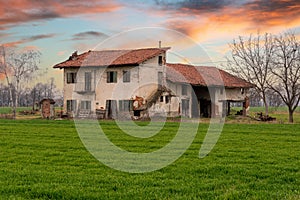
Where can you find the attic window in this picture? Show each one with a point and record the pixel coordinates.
(160, 60)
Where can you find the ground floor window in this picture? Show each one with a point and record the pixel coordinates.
(125, 105)
(161, 99)
(71, 105)
(168, 99)
(85, 105)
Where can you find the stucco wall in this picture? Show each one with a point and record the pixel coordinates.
(143, 81)
(236, 94)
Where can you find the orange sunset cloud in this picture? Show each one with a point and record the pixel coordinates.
(228, 18)
(20, 11)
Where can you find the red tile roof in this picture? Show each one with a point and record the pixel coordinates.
(203, 76)
(111, 57)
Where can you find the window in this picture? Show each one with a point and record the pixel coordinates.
(221, 91)
(160, 78)
(111, 109)
(184, 89)
(71, 77)
(242, 90)
(125, 105)
(87, 81)
(71, 105)
(160, 60)
(112, 77)
(185, 107)
(161, 99)
(85, 105)
(126, 76)
(168, 99)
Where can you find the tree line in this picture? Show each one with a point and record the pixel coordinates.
(272, 64)
(19, 68)
(30, 95)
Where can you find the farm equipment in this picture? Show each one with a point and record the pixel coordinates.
(261, 117)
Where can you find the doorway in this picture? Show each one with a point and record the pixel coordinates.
(111, 109)
(185, 106)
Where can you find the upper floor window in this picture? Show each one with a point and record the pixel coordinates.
(71, 77)
(184, 89)
(112, 77)
(160, 60)
(126, 76)
(160, 78)
(87, 81)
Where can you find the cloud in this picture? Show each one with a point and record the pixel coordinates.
(89, 35)
(28, 39)
(38, 37)
(32, 10)
(197, 7)
(201, 19)
(3, 35)
(12, 44)
(273, 12)
(61, 53)
(35, 48)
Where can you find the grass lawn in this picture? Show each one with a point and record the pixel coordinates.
(43, 159)
(7, 110)
(280, 113)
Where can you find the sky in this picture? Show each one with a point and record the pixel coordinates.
(198, 32)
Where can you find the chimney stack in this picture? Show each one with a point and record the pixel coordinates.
(159, 44)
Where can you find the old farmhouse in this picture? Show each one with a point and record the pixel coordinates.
(140, 83)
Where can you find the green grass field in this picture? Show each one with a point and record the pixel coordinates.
(280, 113)
(7, 110)
(43, 159)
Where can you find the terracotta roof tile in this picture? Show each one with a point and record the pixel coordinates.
(203, 76)
(111, 57)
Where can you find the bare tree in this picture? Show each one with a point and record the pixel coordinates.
(51, 88)
(255, 99)
(251, 60)
(6, 71)
(274, 99)
(286, 71)
(18, 67)
(4, 95)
